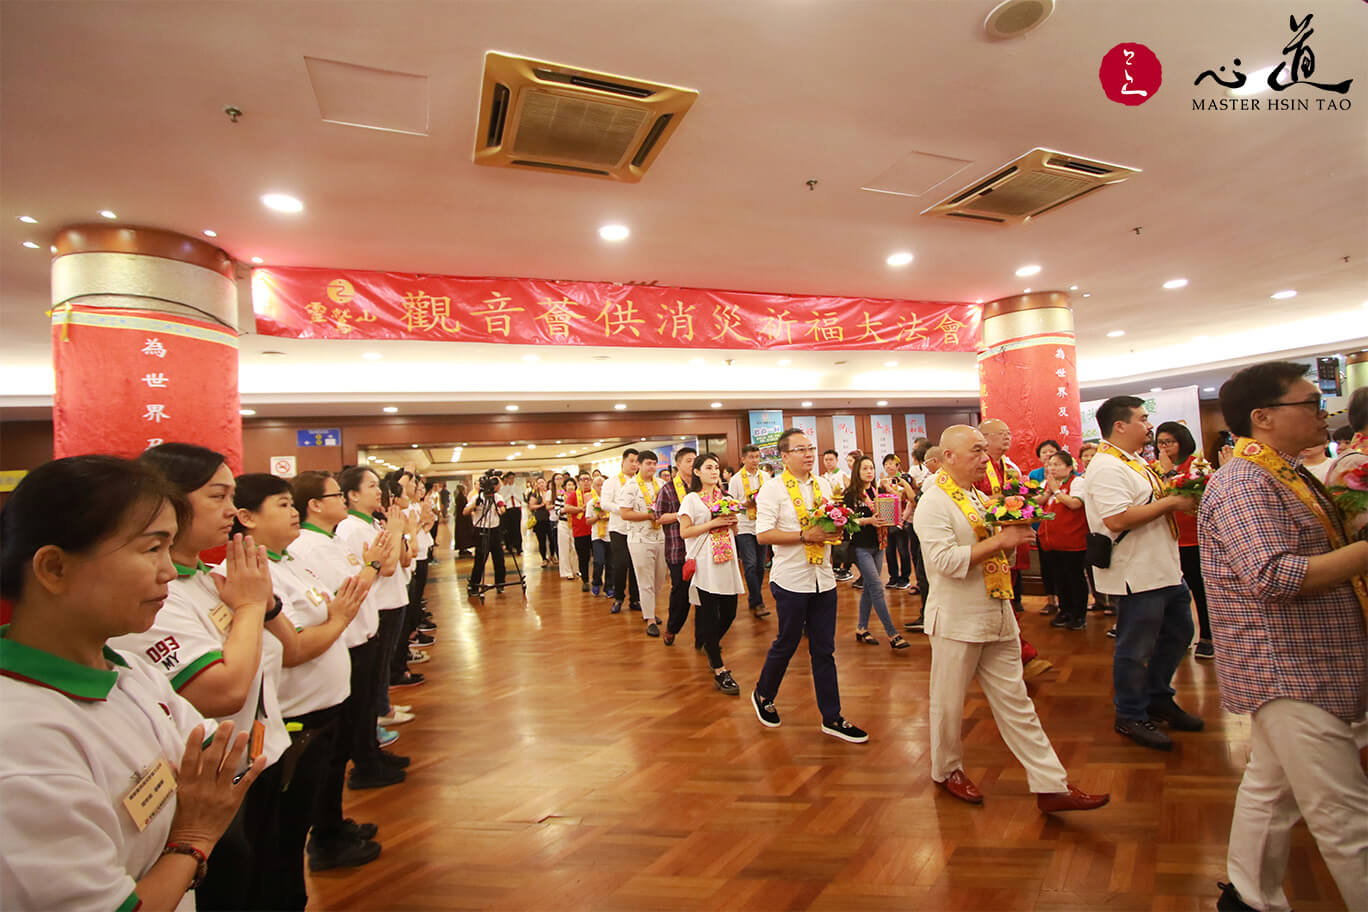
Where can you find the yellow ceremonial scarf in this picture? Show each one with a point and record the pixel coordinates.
(745, 489)
(679, 487)
(601, 523)
(816, 552)
(1155, 481)
(1267, 458)
(997, 569)
(651, 496)
(996, 483)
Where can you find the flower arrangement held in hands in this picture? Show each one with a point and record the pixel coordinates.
(1351, 494)
(1193, 482)
(834, 519)
(1021, 502)
(726, 506)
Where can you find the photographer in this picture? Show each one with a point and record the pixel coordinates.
(486, 509)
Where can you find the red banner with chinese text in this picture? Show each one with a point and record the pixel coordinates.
(309, 303)
(129, 379)
(1032, 384)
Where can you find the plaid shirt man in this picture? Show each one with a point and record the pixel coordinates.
(667, 501)
(1271, 641)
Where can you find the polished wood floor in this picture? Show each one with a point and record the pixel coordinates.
(564, 760)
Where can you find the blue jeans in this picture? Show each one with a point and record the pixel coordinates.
(817, 612)
(899, 557)
(753, 567)
(603, 571)
(1153, 630)
(870, 562)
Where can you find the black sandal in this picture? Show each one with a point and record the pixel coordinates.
(866, 637)
(898, 642)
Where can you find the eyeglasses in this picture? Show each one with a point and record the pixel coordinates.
(334, 494)
(803, 451)
(1316, 404)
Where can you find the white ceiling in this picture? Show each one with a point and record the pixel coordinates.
(119, 105)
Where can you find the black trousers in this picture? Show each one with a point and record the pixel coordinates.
(584, 550)
(623, 573)
(815, 612)
(1191, 561)
(510, 524)
(487, 544)
(919, 566)
(237, 872)
(309, 777)
(546, 538)
(713, 620)
(1047, 577)
(356, 725)
(1070, 580)
(679, 602)
(899, 557)
(413, 613)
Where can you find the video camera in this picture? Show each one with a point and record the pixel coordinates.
(489, 482)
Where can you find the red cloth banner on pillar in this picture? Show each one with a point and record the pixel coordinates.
(309, 303)
(130, 379)
(1032, 384)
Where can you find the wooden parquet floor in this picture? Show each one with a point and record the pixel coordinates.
(564, 760)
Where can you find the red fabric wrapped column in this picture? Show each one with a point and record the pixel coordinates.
(144, 337)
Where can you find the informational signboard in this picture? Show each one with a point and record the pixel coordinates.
(284, 466)
(765, 427)
(808, 425)
(881, 438)
(319, 437)
(916, 428)
(1181, 404)
(843, 430)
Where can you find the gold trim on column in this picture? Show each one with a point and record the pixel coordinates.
(155, 242)
(1036, 300)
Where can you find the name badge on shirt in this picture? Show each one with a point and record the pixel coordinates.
(222, 617)
(315, 596)
(353, 559)
(149, 795)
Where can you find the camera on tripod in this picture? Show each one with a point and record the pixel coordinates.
(489, 482)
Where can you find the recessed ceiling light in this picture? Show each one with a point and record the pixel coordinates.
(1155, 389)
(531, 358)
(28, 220)
(531, 446)
(1025, 271)
(390, 409)
(1026, 291)
(1116, 334)
(210, 232)
(1175, 283)
(108, 213)
(574, 452)
(560, 455)
(643, 439)
(784, 362)
(620, 406)
(372, 356)
(509, 456)
(510, 408)
(1282, 295)
(614, 232)
(246, 411)
(1208, 389)
(282, 202)
(979, 301)
(557, 441)
(890, 364)
(512, 443)
(901, 258)
(257, 260)
(596, 442)
(1087, 294)
(714, 405)
(882, 402)
(31, 245)
(806, 404)
(1073, 288)
(52, 248)
(414, 445)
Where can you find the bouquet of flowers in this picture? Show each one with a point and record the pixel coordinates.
(1193, 482)
(1020, 503)
(1351, 496)
(726, 506)
(834, 518)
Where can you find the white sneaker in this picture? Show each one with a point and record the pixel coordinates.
(396, 707)
(417, 657)
(396, 717)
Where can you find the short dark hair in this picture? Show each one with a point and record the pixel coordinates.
(75, 503)
(1358, 410)
(253, 489)
(1179, 431)
(645, 455)
(1117, 408)
(1063, 455)
(1255, 387)
(682, 452)
(630, 452)
(186, 465)
(1344, 433)
(308, 486)
(919, 451)
(892, 456)
(783, 442)
(832, 452)
(1044, 443)
(749, 448)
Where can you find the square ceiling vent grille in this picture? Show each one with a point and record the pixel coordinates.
(1038, 182)
(547, 116)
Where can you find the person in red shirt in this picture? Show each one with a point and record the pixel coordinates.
(1063, 541)
(1177, 450)
(580, 529)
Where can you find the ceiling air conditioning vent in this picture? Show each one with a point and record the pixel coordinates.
(1036, 183)
(546, 116)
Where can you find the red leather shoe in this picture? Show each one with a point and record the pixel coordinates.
(962, 788)
(1072, 800)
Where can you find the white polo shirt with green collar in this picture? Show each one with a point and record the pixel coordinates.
(183, 642)
(325, 680)
(73, 741)
(357, 532)
(327, 558)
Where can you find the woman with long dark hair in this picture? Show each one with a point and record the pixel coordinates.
(1177, 450)
(539, 504)
(711, 542)
(85, 558)
(869, 544)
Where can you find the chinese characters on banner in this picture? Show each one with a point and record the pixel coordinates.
(843, 432)
(1012, 388)
(881, 439)
(808, 425)
(129, 379)
(309, 303)
(916, 428)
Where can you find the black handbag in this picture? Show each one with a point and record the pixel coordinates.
(1098, 549)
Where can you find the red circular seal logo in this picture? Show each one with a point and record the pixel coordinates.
(1130, 74)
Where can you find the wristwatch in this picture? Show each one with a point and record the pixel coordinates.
(374, 565)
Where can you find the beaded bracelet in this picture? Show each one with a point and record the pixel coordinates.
(201, 861)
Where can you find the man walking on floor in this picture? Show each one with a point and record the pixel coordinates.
(666, 510)
(645, 538)
(745, 485)
(623, 572)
